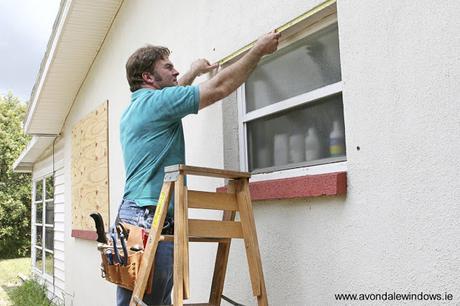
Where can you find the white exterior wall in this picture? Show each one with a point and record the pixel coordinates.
(397, 228)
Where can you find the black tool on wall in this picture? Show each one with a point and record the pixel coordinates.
(101, 237)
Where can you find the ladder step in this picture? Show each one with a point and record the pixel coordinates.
(214, 229)
(212, 200)
(195, 239)
(191, 170)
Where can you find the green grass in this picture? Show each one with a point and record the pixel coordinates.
(29, 293)
(9, 270)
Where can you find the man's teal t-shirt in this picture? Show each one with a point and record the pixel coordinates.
(152, 138)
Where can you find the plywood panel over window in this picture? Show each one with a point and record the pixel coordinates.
(90, 171)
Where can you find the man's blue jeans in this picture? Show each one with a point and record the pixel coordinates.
(130, 213)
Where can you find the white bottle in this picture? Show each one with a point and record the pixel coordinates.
(312, 145)
(264, 157)
(296, 148)
(336, 140)
(280, 149)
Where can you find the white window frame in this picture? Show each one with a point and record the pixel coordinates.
(44, 250)
(333, 164)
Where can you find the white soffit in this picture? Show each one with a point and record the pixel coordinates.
(31, 153)
(78, 34)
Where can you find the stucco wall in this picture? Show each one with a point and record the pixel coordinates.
(400, 65)
(397, 228)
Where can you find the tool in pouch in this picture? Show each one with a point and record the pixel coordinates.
(121, 252)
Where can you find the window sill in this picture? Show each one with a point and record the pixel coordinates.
(82, 234)
(330, 184)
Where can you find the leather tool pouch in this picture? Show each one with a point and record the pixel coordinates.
(125, 275)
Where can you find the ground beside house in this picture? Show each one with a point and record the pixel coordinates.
(9, 271)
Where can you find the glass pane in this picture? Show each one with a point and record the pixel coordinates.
(308, 64)
(49, 238)
(39, 235)
(308, 133)
(38, 190)
(49, 182)
(49, 263)
(39, 212)
(38, 259)
(49, 216)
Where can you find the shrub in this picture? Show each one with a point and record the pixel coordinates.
(30, 293)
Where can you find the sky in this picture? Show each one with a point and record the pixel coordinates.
(25, 27)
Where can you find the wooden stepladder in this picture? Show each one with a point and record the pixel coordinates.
(237, 199)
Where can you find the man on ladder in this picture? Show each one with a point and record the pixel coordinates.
(152, 137)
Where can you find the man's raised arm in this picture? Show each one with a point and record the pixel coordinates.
(230, 78)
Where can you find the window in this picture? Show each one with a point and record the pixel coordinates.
(291, 110)
(43, 225)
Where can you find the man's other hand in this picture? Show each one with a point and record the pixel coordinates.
(201, 66)
(267, 44)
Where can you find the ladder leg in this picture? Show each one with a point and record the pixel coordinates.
(186, 253)
(223, 250)
(148, 258)
(250, 241)
(220, 267)
(179, 199)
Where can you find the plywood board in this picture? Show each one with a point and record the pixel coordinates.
(90, 169)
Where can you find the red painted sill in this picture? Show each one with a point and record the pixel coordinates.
(330, 184)
(84, 234)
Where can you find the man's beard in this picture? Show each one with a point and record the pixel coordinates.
(157, 77)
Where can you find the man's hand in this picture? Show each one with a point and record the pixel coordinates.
(201, 66)
(197, 68)
(267, 44)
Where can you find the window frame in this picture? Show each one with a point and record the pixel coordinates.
(327, 165)
(43, 202)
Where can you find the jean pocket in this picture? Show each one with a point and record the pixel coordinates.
(129, 212)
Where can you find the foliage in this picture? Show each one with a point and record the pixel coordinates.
(15, 188)
(30, 293)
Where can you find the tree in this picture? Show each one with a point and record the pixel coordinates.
(15, 188)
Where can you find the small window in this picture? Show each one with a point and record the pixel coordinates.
(39, 259)
(38, 212)
(49, 185)
(291, 106)
(49, 263)
(39, 191)
(49, 212)
(39, 236)
(43, 225)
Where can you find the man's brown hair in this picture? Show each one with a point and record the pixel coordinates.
(143, 60)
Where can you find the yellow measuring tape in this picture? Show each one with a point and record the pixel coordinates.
(161, 203)
(280, 29)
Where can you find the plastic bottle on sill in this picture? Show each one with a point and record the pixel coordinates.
(296, 148)
(263, 157)
(336, 140)
(312, 145)
(280, 149)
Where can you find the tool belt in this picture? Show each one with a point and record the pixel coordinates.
(123, 269)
